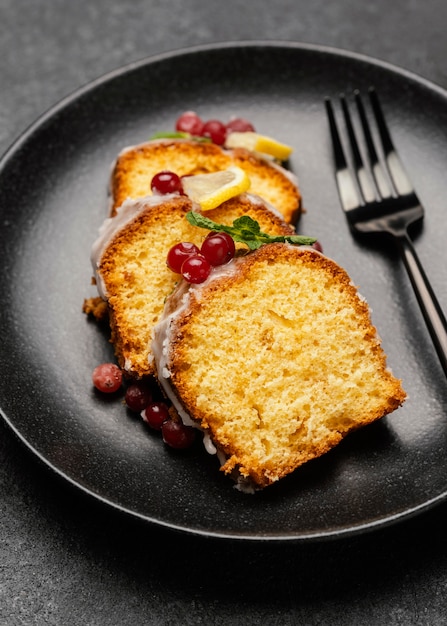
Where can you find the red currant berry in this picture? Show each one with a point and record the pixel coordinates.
(166, 182)
(178, 254)
(239, 125)
(196, 269)
(177, 435)
(155, 414)
(317, 245)
(137, 397)
(218, 248)
(107, 377)
(189, 122)
(216, 131)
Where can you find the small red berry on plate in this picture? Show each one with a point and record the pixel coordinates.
(138, 396)
(196, 269)
(218, 248)
(178, 254)
(107, 377)
(189, 122)
(155, 414)
(240, 125)
(216, 131)
(177, 435)
(166, 182)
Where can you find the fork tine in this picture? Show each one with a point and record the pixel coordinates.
(385, 135)
(380, 180)
(340, 160)
(396, 170)
(364, 181)
(358, 162)
(347, 190)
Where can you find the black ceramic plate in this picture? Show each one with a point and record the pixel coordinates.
(52, 200)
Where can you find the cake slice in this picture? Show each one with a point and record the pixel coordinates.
(129, 261)
(275, 358)
(136, 166)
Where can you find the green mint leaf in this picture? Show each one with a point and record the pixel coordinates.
(201, 139)
(300, 240)
(178, 135)
(247, 230)
(246, 223)
(170, 135)
(197, 219)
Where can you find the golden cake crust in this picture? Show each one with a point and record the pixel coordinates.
(135, 168)
(134, 276)
(279, 361)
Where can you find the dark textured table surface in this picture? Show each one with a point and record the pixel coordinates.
(65, 559)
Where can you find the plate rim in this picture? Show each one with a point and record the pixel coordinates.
(120, 70)
(90, 86)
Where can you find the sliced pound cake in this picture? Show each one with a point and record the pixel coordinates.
(136, 166)
(129, 261)
(275, 358)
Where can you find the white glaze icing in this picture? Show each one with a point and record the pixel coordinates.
(178, 302)
(126, 213)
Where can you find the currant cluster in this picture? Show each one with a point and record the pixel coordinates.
(215, 130)
(139, 398)
(156, 414)
(194, 264)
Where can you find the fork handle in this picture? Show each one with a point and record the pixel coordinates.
(431, 310)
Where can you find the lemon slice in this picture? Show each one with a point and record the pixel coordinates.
(259, 143)
(210, 190)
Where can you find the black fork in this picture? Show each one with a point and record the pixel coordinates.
(378, 199)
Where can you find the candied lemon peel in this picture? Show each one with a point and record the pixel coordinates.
(259, 143)
(210, 190)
